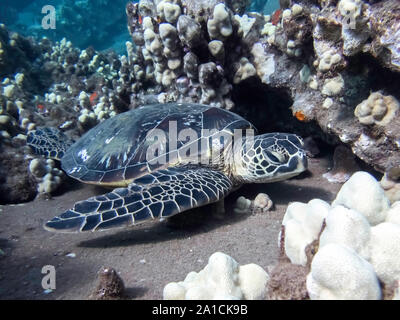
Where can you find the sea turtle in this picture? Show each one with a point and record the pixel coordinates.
(164, 159)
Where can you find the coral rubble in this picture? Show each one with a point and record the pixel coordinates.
(109, 285)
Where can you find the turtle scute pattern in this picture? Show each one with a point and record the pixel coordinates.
(49, 142)
(157, 195)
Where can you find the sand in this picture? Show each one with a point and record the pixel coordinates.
(148, 256)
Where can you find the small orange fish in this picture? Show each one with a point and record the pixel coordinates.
(300, 115)
(40, 107)
(140, 19)
(92, 98)
(276, 16)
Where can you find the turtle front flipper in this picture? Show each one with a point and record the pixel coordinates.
(160, 194)
(49, 142)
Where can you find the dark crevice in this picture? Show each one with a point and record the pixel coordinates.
(268, 109)
(363, 76)
(377, 76)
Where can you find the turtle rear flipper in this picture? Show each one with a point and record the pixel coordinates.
(157, 195)
(49, 142)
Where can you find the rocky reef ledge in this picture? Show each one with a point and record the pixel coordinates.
(337, 61)
(325, 64)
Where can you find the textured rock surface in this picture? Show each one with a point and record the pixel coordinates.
(326, 61)
(110, 285)
(385, 25)
(308, 58)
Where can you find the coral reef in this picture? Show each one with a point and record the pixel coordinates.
(188, 57)
(262, 203)
(335, 63)
(302, 223)
(377, 109)
(287, 280)
(58, 85)
(221, 49)
(338, 273)
(339, 41)
(365, 195)
(385, 28)
(15, 51)
(212, 52)
(222, 278)
(356, 257)
(47, 176)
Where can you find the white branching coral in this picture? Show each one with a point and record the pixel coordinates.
(46, 174)
(220, 25)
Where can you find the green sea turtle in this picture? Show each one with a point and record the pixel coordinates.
(158, 171)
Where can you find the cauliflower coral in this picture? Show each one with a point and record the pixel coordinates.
(377, 109)
(222, 279)
(359, 247)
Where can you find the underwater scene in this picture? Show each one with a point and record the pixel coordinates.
(200, 150)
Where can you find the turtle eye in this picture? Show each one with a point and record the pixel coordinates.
(276, 157)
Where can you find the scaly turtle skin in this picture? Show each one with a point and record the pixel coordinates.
(164, 159)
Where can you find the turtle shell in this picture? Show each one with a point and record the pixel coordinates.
(116, 151)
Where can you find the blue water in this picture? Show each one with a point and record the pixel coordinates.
(100, 24)
(264, 6)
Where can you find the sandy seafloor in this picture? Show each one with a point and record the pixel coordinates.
(148, 256)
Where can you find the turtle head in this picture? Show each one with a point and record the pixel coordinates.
(270, 157)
